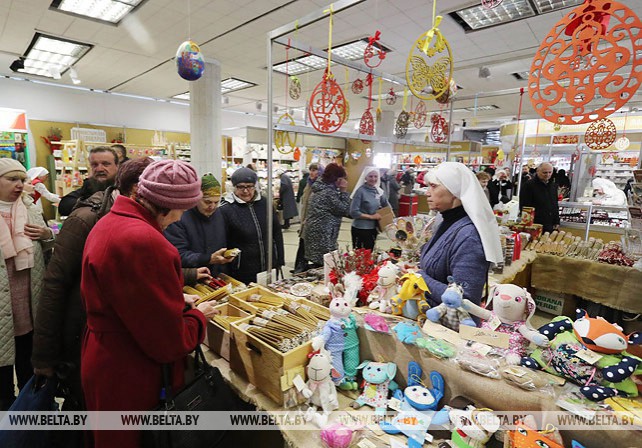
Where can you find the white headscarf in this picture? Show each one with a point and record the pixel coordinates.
(37, 171)
(362, 180)
(612, 194)
(463, 184)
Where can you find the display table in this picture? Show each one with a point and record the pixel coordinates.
(613, 286)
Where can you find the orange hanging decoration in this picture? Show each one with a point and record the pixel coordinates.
(418, 160)
(374, 55)
(439, 128)
(421, 114)
(297, 154)
(601, 61)
(600, 134)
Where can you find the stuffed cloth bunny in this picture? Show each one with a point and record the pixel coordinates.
(378, 378)
(450, 312)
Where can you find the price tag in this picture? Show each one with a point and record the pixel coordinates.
(482, 349)
(494, 323)
(365, 443)
(514, 371)
(298, 383)
(394, 443)
(394, 404)
(589, 356)
(429, 438)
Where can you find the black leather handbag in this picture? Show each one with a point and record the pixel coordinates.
(207, 392)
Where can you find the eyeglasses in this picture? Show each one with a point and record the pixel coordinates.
(245, 187)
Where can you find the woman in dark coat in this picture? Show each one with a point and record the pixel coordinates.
(393, 191)
(327, 206)
(245, 216)
(286, 196)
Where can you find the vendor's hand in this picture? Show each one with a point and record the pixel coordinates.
(375, 217)
(208, 309)
(342, 184)
(218, 258)
(190, 299)
(38, 232)
(203, 274)
(49, 372)
(556, 227)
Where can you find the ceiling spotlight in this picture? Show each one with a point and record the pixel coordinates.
(291, 112)
(18, 64)
(259, 105)
(73, 74)
(276, 109)
(54, 72)
(226, 100)
(484, 72)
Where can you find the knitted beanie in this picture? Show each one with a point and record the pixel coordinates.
(8, 165)
(171, 184)
(210, 186)
(244, 176)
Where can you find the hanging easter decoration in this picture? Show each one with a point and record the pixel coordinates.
(439, 128)
(594, 72)
(189, 61)
(600, 134)
(421, 114)
(491, 4)
(366, 124)
(281, 138)
(403, 120)
(295, 88)
(417, 160)
(429, 66)
(623, 142)
(356, 155)
(346, 157)
(373, 55)
(450, 92)
(378, 114)
(357, 86)
(297, 154)
(391, 97)
(327, 105)
(368, 152)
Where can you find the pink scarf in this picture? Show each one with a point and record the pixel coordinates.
(14, 243)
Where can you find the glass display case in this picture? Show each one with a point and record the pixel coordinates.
(587, 216)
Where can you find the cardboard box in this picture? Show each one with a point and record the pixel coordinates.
(387, 215)
(218, 338)
(558, 304)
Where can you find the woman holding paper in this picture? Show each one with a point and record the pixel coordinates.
(367, 198)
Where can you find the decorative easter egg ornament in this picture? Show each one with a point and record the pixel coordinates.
(600, 134)
(295, 88)
(391, 97)
(491, 4)
(281, 138)
(366, 124)
(417, 160)
(439, 128)
(373, 55)
(403, 120)
(368, 152)
(450, 93)
(356, 155)
(421, 114)
(595, 72)
(297, 154)
(429, 66)
(189, 61)
(357, 86)
(622, 143)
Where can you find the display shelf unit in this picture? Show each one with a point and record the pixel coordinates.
(601, 218)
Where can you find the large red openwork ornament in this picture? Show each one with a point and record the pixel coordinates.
(401, 126)
(327, 105)
(600, 134)
(294, 89)
(420, 116)
(357, 86)
(391, 97)
(439, 129)
(490, 4)
(601, 61)
(366, 124)
(373, 55)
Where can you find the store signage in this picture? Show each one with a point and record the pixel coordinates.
(13, 120)
(566, 139)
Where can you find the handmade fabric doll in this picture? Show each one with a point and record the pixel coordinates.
(386, 288)
(410, 302)
(473, 427)
(378, 378)
(407, 332)
(320, 390)
(571, 348)
(450, 312)
(509, 312)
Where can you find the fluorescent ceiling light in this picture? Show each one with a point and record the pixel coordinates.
(48, 55)
(111, 11)
(478, 17)
(182, 96)
(233, 84)
(482, 108)
(301, 65)
(544, 6)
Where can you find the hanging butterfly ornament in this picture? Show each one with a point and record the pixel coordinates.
(391, 97)
(623, 142)
(189, 61)
(295, 87)
(421, 114)
(403, 120)
(588, 64)
(374, 55)
(439, 128)
(366, 124)
(327, 105)
(429, 67)
(600, 134)
(491, 4)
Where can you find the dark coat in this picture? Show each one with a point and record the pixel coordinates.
(302, 183)
(543, 197)
(132, 288)
(196, 237)
(286, 196)
(393, 193)
(246, 229)
(89, 187)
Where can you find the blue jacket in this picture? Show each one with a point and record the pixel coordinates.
(196, 237)
(458, 252)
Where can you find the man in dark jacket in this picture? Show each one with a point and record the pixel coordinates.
(199, 236)
(245, 215)
(286, 198)
(541, 193)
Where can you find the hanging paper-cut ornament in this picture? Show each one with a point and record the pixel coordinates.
(297, 154)
(600, 134)
(356, 155)
(594, 72)
(366, 124)
(357, 86)
(448, 94)
(592, 170)
(490, 4)
(622, 143)
(346, 157)
(401, 126)
(368, 152)
(327, 105)
(295, 88)
(429, 67)
(281, 138)
(420, 116)
(391, 97)
(373, 55)
(576, 154)
(417, 160)
(189, 61)
(347, 111)
(557, 127)
(439, 128)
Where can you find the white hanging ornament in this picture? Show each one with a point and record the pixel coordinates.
(622, 143)
(368, 152)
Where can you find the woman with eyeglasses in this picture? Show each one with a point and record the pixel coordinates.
(244, 213)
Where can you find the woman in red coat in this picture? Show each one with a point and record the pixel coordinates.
(132, 289)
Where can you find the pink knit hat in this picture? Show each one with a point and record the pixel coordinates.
(171, 184)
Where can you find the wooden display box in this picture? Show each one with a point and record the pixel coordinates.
(270, 370)
(218, 338)
(239, 299)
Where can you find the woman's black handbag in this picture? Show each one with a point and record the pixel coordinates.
(207, 392)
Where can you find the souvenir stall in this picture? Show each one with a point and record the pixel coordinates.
(358, 334)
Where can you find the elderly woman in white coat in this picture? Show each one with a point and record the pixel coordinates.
(607, 193)
(22, 267)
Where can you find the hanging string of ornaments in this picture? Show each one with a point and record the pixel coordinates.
(366, 124)
(374, 55)
(281, 138)
(595, 72)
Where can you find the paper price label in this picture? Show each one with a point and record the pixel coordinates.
(394, 404)
(365, 443)
(589, 356)
(494, 323)
(376, 429)
(514, 371)
(484, 336)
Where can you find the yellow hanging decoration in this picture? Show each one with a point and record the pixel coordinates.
(283, 137)
(430, 62)
(378, 113)
(330, 10)
(405, 98)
